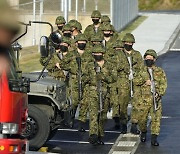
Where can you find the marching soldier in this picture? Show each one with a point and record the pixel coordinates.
(132, 64)
(76, 28)
(53, 67)
(151, 85)
(98, 74)
(74, 62)
(95, 27)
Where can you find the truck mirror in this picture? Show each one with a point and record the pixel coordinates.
(44, 46)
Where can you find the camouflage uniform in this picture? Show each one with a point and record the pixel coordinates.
(92, 29)
(90, 77)
(69, 63)
(124, 82)
(56, 57)
(75, 26)
(143, 104)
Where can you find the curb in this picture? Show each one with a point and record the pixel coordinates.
(170, 42)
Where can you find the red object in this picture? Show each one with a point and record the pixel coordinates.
(13, 109)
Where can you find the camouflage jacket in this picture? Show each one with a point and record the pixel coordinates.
(90, 30)
(159, 79)
(53, 70)
(107, 74)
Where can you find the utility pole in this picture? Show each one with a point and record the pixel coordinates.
(76, 15)
(34, 25)
(66, 10)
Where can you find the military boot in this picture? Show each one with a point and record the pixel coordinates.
(93, 139)
(134, 129)
(154, 141)
(143, 137)
(117, 123)
(123, 128)
(100, 142)
(81, 126)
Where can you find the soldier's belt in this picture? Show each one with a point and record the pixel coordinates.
(60, 79)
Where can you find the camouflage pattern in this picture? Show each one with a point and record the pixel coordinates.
(69, 63)
(80, 37)
(60, 20)
(75, 24)
(123, 82)
(90, 78)
(96, 14)
(128, 38)
(93, 29)
(143, 99)
(151, 52)
(105, 19)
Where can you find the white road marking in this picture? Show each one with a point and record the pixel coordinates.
(79, 142)
(126, 144)
(75, 130)
(121, 152)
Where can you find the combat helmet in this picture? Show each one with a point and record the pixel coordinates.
(96, 14)
(67, 27)
(96, 38)
(105, 19)
(129, 38)
(6, 20)
(118, 44)
(81, 37)
(151, 52)
(75, 24)
(98, 49)
(60, 20)
(106, 27)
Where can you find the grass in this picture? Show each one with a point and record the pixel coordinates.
(29, 60)
(132, 26)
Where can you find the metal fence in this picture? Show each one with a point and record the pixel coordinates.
(123, 12)
(120, 11)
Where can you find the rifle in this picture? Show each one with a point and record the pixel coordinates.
(78, 60)
(130, 75)
(153, 89)
(100, 94)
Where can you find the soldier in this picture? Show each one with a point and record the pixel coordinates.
(98, 74)
(67, 31)
(106, 20)
(53, 67)
(60, 22)
(151, 85)
(76, 28)
(95, 27)
(133, 64)
(74, 62)
(108, 40)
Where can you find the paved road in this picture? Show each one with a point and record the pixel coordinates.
(74, 142)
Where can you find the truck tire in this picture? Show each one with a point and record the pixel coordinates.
(38, 128)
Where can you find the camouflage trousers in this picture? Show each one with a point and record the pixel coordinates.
(84, 105)
(142, 108)
(96, 119)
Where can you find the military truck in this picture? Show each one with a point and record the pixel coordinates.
(48, 105)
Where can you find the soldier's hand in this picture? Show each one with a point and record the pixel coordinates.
(148, 82)
(58, 66)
